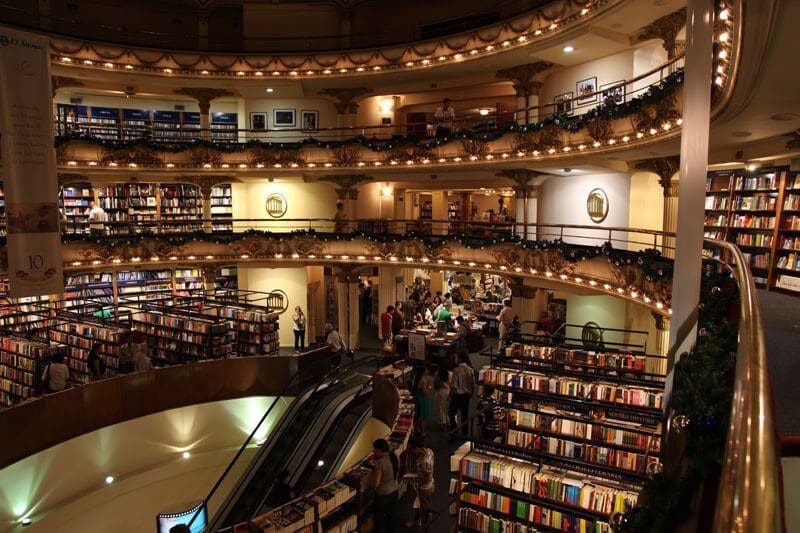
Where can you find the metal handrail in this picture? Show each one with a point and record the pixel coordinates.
(749, 497)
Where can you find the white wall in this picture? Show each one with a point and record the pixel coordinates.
(293, 281)
(305, 200)
(611, 69)
(326, 108)
(562, 200)
(63, 489)
(646, 59)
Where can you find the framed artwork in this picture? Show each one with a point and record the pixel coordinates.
(309, 120)
(584, 90)
(258, 121)
(563, 103)
(613, 91)
(283, 118)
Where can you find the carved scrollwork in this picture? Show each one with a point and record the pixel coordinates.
(627, 276)
(262, 155)
(544, 139)
(474, 148)
(347, 154)
(600, 129)
(256, 246)
(794, 140)
(401, 154)
(414, 248)
(125, 155)
(657, 113)
(201, 155)
(150, 248)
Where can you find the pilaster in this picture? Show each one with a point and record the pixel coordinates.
(521, 77)
(204, 96)
(666, 169)
(665, 28)
(346, 102)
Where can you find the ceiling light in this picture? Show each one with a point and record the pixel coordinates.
(270, 90)
(109, 480)
(569, 48)
(186, 455)
(751, 167)
(483, 112)
(25, 521)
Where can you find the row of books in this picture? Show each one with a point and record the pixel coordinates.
(519, 510)
(582, 451)
(754, 239)
(792, 202)
(750, 221)
(788, 262)
(195, 325)
(551, 420)
(21, 365)
(548, 483)
(790, 243)
(615, 360)
(754, 183)
(570, 387)
(717, 203)
(757, 260)
(792, 222)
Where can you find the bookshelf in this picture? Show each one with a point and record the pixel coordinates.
(22, 362)
(166, 126)
(226, 278)
(74, 202)
(148, 284)
(86, 293)
(101, 122)
(181, 207)
(224, 127)
(129, 207)
(579, 432)
(188, 281)
(79, 337)
(136, 124)
(177, 338)
(255, 331)
(759, 212)
(221, 208)
(190, 126)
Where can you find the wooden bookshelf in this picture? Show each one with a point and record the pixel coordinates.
(188, 281)
(79, 337)
(221, 208)
(224, 127)
(22, 362)
(759, 212)
(146, 283)
(90, 292)
(74, 201)
(181, 208)
(177, 338)
(3, 216)
(255, 330)
(226, 278)
(136, 124)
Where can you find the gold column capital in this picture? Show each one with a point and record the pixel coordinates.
(203, 95)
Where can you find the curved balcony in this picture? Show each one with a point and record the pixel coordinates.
(586, 259)
(519, 30)
(651, 114)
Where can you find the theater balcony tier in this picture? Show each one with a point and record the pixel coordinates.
(582, 259)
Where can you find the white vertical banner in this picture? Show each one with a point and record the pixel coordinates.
(29, 160)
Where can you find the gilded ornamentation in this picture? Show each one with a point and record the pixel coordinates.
(263, 155)
(414, 153)
(665, 168)
(202, 155)
(347, 154)
(203, 95)
(207, 183)
(472, 147)
(656, 114)
(346, 99)
(125, 155)
(146, 249)
(59, 82)
(256, 246)
(65, 178)
(544, 139)
(414, 248)
(666, 28)
(600, 129)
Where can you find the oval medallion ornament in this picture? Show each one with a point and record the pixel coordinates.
(276, 205)
(597, 205)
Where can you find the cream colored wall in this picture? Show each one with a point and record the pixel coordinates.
(646, 59)
(63, 489)
(305, 200)
(647, 205)
(293, 281)
(485, 203)
(605, 311)
(316, 303)
(326, 108)
(362, 447)
(609, 69)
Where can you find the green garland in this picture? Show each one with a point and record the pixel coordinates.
(653, 264)
(607, 110)
(703, 395)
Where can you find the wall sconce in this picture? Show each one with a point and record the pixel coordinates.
(386, 106)
(484, 111)
(387, 191)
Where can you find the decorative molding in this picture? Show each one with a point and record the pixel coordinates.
(131, 156)
(346, 182)
(665, 28)
(347, 155)
(59, 82)
(412, 152)
(600, 129)
(546, 138)
(346, 99)
(794, 140)
(474, 148)
(522, 76)
(203, 95)
(65, 178)
(520, 176)
(275, 157)
(661, 322)
(206, 183)
(665, 168)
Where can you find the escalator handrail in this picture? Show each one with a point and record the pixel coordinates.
(337, 371)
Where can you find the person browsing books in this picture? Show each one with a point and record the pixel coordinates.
(56, 374)
(505, 318)
(424, 485)
(335, 343)
(97, 219)
(384, 478)
(463, 388)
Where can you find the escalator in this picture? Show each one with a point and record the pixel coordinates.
(294, 444)
(328, 459)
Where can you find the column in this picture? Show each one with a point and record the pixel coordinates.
(523, 300)
(534, 90)
(666, 28)
(439, 213)
(206, 184)
(347, 193)
(693, 168)
(345, 100)
(527, 197)
(667, 169)
(209, 279)
(521, 77)
(437, 282)
(399, 212)
(387, 278)
(659, 366)
(204, 96)
(347, 307)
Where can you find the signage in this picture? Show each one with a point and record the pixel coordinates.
(197, 515)
(597, 205)
(416, 346)
(31, 187)
(788, 282)
(276, 205)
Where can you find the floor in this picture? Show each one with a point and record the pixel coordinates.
(780, 316)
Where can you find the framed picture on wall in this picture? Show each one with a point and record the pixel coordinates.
(258, 121)
(614, 92)
(283, 118)
(585, 90)
(563, 103)
(309, 120)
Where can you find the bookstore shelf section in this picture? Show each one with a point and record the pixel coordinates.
(759, 212)
(112, 124)
(344, 504)
(135, 207)
(579, 431)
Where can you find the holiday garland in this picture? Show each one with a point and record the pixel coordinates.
(702, 398)
(609, 110)
(651, 261)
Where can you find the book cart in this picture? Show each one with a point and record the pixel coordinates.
(581, 427)
(344, 504)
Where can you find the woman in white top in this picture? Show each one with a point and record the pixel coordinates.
(299, 327)
(441, 397)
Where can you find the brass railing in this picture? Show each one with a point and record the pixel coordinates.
(749, 497)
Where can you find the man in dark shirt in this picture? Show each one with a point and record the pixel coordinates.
(492, 416)
(283, 492)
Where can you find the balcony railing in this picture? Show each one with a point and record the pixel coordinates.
(749, 497)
